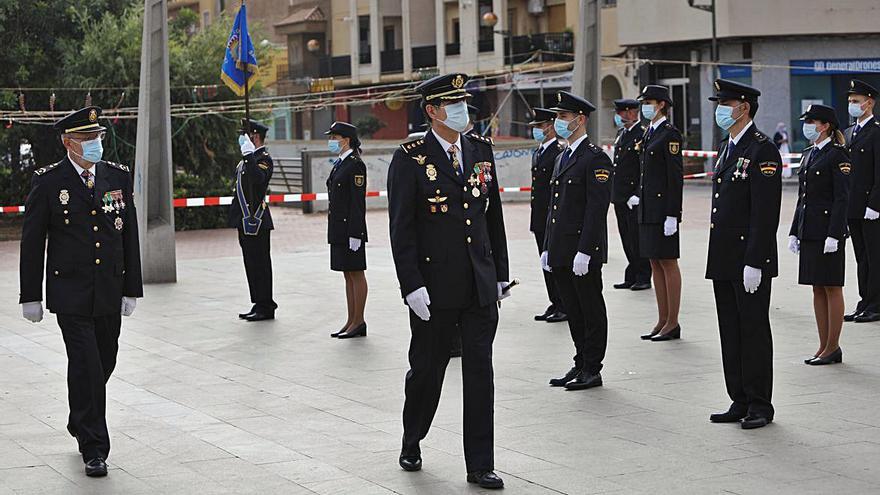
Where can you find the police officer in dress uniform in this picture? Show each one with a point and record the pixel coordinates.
(450, 254)
(576, 239)
(742, 261)
(818, 233)
(84, 206)
(543, 161)
(347, 223)
(625, 192)
(863, 212)
(660, 186)
(249, 214)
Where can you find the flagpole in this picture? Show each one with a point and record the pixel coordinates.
(247, 100)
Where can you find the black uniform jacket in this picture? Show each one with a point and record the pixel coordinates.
(542, 170)
(258, 167)
(347, 189)
(93, 254)
(746, 197)
(662, 175)
(442, 236)
(864, 151)
(626, 164)
(822, 195)
(580, 194)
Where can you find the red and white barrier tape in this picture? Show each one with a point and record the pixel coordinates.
(706, 154)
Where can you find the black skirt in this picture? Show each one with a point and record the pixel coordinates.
(343, 259)
(654, 245)
(820, 269)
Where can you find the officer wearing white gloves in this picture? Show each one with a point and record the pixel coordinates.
(576, 239)
(84, 207)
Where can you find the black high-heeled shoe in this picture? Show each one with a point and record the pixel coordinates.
(810, 359)
(673, 334)
(833, 358)
(338, 333)
(360, 331)
(649, 336)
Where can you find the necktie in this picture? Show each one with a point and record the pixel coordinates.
(88, 181)
(731, 147)
(650, 133)
(453, 157)
(856, 130)
(812, 155)
(566, 158)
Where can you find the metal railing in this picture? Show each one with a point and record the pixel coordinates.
(288, 176)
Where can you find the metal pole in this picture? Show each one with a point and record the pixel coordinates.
(714, 44)
(247, 99)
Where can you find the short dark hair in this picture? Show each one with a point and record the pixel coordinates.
(753, 108)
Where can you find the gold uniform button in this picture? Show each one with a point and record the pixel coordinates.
(719, 180)
(463, 189)
(98, 261)
(742, 237)
(97, 244)
(712, 226)
(66, 221)
(714, 210)
(56, 272)
(95, 228)
(94, 212)
(438, 191)
(716, 195)
(65, 212)
(659, 195)
(556, 195)
(469, 240)
(554, 207)
(557, 183)
(465, 206)
(569, 181)
(468, 221)
(552, 220)
(428, 259)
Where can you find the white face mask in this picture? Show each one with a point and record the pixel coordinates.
(456, 116)
(855, 110)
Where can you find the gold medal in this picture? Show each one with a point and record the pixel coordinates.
(64, 197)
(118, 223)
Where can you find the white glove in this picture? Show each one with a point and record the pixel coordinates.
(581, 264)
(418, 301)
(544, 262)
(632, 202)
(354, 243)
(830, 245)
(247, 146)
(751, 279)
(128, 304)
(670, 226)
(871, 214)
(501, 293)
(794, 245)
(32, 311)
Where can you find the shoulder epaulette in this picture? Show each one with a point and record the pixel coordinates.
(480, 138)
(840, 145)
(409, 146)
(760, 136)
(668, 125)
(877, 123)
(47, 168)
(119, 166)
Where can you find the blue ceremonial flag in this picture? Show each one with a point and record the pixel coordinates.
(240, 63)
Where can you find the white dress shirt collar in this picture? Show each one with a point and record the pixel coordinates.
(79, 170)
(546, 145)
(446, 144)
(735, 139)
(655, 125)
(821, 144)
(573, 146)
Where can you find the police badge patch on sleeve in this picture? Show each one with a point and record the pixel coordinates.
(359, 180)
(602, 175)
(768, 169)
(674, 147)
(845, 168)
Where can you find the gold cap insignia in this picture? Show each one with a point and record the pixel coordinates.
(559, 97)
(458, 82)
(852, 84)
(717, 86)
(93, 116)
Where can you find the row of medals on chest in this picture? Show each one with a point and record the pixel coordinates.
(478, 181)
(112, 201)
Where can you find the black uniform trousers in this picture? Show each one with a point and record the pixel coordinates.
(258, 265)
(866, 244)
(428, 357)
(638, 269)
(587, 317)
(746, 345)
(92, 344)
(552, 292)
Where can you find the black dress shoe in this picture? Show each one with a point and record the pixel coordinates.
(867, 317)
(852, 316)
(560, 382)
(550, 310)
(730, 416)
(410, 462)
(360, 331)
(557, 317)
(486, 479)
(752, 422)
(833, 358)
(584, 380)
(650, 336)
(244, 316)
(260, 317)
(339, 332)
(641, 286)
(96, 468)
(810, 359)
(673, 334)
(625, 285)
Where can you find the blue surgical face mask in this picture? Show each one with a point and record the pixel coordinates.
(92, 150)
(810, 132)
(334, 146)
(649, 111)
(618, 120)
(457, 116)
(538, 134)
(724, 116)
(855, 110)
(561, 127)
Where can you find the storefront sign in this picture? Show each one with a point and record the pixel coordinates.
(834, 66)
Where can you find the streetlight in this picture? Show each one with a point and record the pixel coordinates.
(490, 19)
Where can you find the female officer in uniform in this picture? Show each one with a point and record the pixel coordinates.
(347, 223)
(661, 186)
(818, 232)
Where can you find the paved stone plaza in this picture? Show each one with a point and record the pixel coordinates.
(204, 403)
